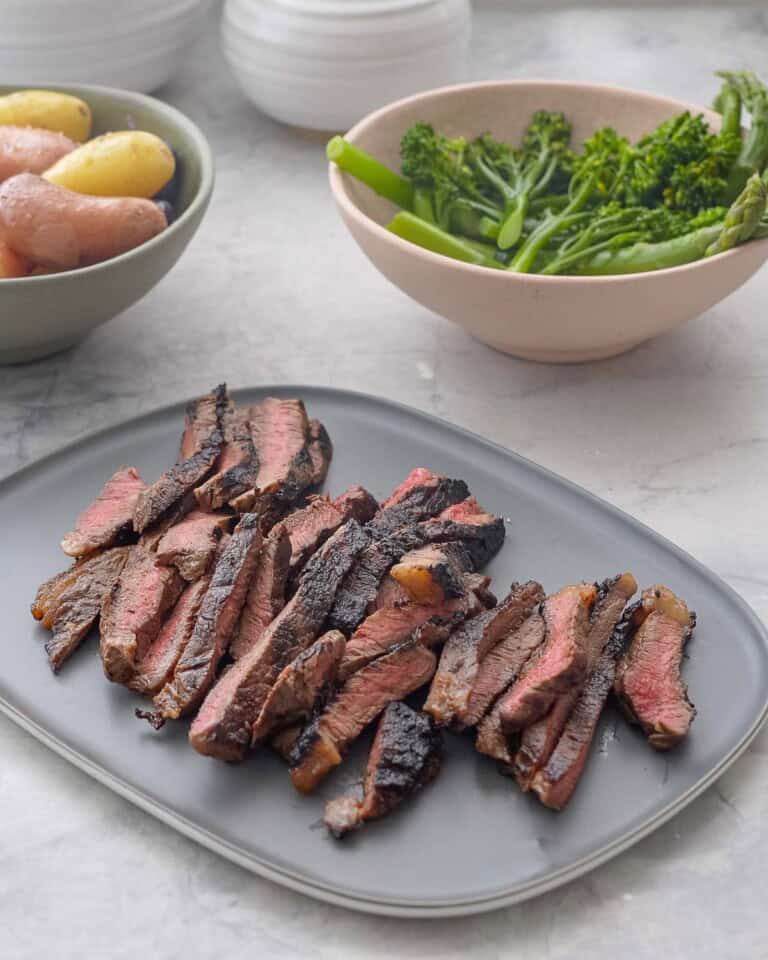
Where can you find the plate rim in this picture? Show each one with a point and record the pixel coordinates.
(411, 908)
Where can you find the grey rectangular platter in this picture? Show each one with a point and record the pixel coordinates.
(471, 842)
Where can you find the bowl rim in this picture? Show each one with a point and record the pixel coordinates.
(196, 204)
(338, 180)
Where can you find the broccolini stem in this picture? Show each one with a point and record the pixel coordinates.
(523, 260)
(466, 220)
(753, 157)
(743, 217)
(642, 257)
(427, 235)
(422, 205)
(370, 171)
(728, 104)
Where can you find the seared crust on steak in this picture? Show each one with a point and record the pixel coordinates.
(109, 519)
(405, 756)
(362, 698)
(320, 453)
(224, 724)
(463, 653)
(219, 612)
(237, 465)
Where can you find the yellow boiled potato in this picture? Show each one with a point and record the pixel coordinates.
(127, 163)
(49, 110)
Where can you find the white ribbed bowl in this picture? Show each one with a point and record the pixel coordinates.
(324, 64)
(135, 44)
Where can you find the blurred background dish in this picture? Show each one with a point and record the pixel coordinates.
(324, 64)
(41, 315)
(554, 319)
(136, 44)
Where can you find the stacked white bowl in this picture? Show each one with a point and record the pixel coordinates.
(324, 64)
(134, 44)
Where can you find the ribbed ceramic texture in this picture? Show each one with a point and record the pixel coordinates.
(136, 44)
(323, 65)
(471, 841)
(551, 319)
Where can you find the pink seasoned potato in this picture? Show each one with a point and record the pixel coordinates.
(29, 150)
(55, 227)
(11, 264)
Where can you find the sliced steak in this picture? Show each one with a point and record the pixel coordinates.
(78, 606)
(362, 698)
(405, 756)
(191, 544)
(284, 741)
(48, 596)
(393, 531)
(311, 526)
(223, 726)
(493, 741)
(500, 667)
(434, 572)
(466, 648)
(219, 612)
(237, 466)
(480, 585)
(266, 594)
(539, 739)
(109, 519)
(203, 422)
(390, 626)
(648, 682)
(562, 661)
(156, 667)
(556, 780)
(391, 594)
(481, 532)
(320, 453)
(202, 440)
(155, 532)
(133, 612)
(280, 434)
(301, 685)
(356, 502)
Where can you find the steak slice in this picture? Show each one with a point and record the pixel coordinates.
(320, 452)
(223, 726)
(191, 544)
(481, 532)
(156, 667)
(311, 526)
(266, 595)
(555, 782)
(280, 434)
(133, 611)
(405, 756)
(78, 606)
(216, 621)
(202, 440)
(390, 626)
(539, 739)
(466, 648)
(500, 667)
(562, 661)
(203, 422)
(393, 531)
(284, 741)
(109, 519)
(301, 685)
(46, 603)
(237, 466)
(362, 698)
(648, 682)
(434, 572)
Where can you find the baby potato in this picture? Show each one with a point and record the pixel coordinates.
(30, 150)
(47, 110)
(54, 227)
(127, 163)
(11, 264)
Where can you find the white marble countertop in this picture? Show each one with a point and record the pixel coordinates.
(675, 433)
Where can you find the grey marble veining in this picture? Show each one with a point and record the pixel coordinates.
(272, 290)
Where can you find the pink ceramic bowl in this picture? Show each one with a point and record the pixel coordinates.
(551, 319)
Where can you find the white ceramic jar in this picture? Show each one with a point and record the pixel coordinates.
(135, 44)
(324, 64)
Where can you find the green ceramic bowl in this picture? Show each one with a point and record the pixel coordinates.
(42, 315)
